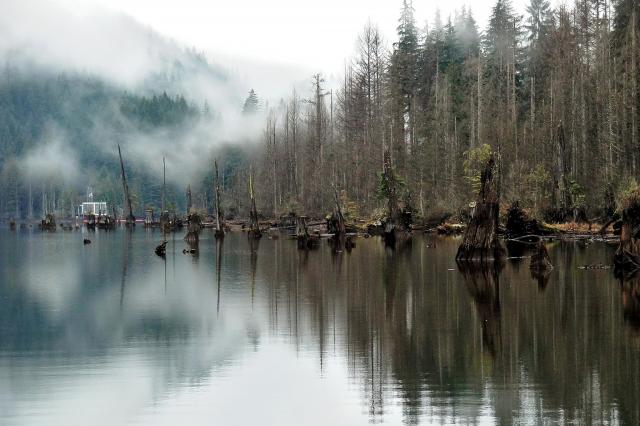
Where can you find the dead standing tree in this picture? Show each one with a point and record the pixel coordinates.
(219, 232)
(254, 227)
(130, 220)
(480, 241)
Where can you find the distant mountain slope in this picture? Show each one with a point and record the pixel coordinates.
(72, 87)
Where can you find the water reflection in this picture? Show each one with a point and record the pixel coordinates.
(483, 283)
(375, 335)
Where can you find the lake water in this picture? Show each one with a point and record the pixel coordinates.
(110, 333)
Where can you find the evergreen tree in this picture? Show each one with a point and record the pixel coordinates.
(251, 104)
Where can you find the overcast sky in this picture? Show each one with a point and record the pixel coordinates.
(314, 35)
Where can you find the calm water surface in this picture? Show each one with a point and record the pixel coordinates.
(110, 334)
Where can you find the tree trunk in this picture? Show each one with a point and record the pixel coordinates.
(480, 241)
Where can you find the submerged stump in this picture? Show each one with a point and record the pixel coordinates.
(48, 223)
(481, 241)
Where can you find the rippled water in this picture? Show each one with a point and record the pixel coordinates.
(109, 334)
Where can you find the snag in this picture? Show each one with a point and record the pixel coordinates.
(254, 228)
(480, 241)
(627, 257)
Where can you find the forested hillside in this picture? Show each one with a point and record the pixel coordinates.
(554, 94)
(58, 135)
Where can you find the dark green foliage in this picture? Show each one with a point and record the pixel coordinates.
(89, 116)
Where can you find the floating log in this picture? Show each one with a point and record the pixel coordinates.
(480, 241)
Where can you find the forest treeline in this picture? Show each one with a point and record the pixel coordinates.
(85, 117)
(553, 94)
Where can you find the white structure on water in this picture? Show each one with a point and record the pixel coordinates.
(96, 208)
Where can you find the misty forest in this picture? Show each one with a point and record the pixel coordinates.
(553, 94)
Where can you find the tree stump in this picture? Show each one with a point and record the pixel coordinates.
(480, 241)
(519, 223)
(627, 257)
(305, 240)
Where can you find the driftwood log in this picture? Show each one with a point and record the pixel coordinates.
(481, 241)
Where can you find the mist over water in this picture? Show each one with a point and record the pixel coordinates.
(112, 334)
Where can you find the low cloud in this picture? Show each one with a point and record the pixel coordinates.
(52, 159)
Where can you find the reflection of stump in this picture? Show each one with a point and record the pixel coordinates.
(630, 286)
(542, 276)
(483, 283)
(480, 241)
(540, 260)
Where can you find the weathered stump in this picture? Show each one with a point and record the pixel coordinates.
(627, 257)
(161, 250)
(519, 224)
(481, 241)
(305, 240)
(48, 223)
(335, 226)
